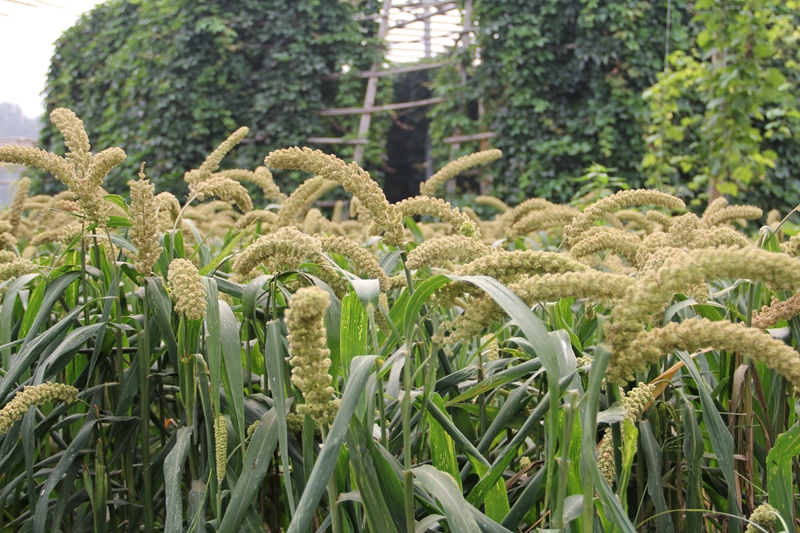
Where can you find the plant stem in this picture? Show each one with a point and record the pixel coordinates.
(144, 399)
(408, 487)
(616, 431)
(333, 495)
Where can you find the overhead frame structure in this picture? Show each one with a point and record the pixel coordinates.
(411, 30)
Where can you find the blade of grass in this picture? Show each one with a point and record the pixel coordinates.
(375, 508)
(31, 351)
(525, 501)
(326, 462)
(589, 406)
(353, 340)
(38, 312)
(693, 448)
(232, 367)
(70, 455)
(652, 454)
(497, 380)
(450, 428)
(443, 451)
(159, 303)
(721, 439)
(257, 461)
(7, 314)
(506, 455)
(534, 331)
(275, 367)
(445, 489)
(172, 480)
(779, 472)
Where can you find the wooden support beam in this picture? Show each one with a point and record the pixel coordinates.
(336, 111)
(372, 84)
(335, 140)
(448, 6)
(389, 72)
(417, 5)
(455, 139)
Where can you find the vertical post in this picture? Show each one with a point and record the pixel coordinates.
(428, 54)
(426, 38)
(372, 83)
(463, 42)
(485, 185)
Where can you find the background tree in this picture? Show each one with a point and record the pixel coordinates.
(13, 123)
(168, 80)
(723, 108)
(561, 83)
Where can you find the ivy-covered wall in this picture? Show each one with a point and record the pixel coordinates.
(167, 80)
(561, 83)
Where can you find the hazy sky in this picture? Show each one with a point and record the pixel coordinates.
(27, 35)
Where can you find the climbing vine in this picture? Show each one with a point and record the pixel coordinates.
(561, 83)
(666, 92)
(169, 79)
(723, 106)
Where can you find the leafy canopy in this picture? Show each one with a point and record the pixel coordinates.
(169, 79)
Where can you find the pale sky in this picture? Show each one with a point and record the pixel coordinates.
(27, 35)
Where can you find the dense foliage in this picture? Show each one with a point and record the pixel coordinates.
(720, 110)
(181, 74)
(562, 83)
(218, 364)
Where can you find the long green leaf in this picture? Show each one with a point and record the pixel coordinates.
(693, 449)
(257, 460)
(496, 498)
(589, 405)
(721, 439)
(232, 359)
(7, 313)
(378, 515)
(412, 310)
(31, 351)
(36, 315)
(652, 454)
(525, 501)
(779, 472)
(161, 306)
(224, 254)
(528, 323)
(450, 428)
(76, 339)
(326, 462)
(172, 480)
(506, 455)
(445, 489)
(275, 368)
(213, 341)
(353, 340)
(497, 380)
(443, 451)
(534, 331)
(70, 455)
(391, 488)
